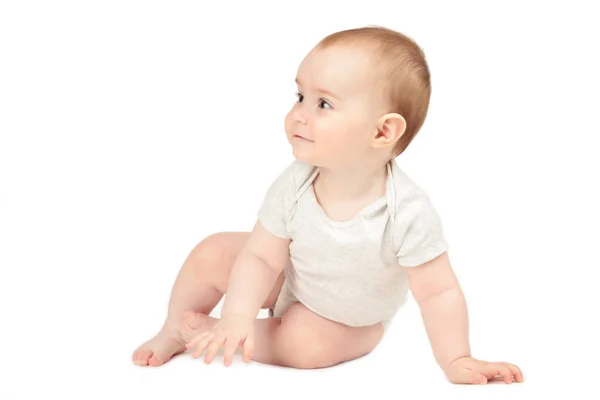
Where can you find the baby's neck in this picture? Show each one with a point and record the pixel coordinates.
(352, 183)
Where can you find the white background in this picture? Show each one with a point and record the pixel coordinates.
(130, 130)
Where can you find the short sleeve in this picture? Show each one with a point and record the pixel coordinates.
(277, 203)
(418, 230)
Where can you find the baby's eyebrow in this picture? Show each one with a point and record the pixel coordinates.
(324, 91)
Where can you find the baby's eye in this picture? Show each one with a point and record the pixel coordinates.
(323, 104)
(300, 97)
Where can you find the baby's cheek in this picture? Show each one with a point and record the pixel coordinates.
(287, 124)
(337, 146)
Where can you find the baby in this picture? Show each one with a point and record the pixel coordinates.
(342, 235)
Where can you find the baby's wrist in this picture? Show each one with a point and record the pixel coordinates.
(238, 315)
(448, 364)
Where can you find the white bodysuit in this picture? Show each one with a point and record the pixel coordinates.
(350, 271)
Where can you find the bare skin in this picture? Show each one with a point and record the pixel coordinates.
(342, 123)
(200, 285)
(299, 339)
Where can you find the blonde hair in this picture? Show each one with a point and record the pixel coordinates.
(404, 73)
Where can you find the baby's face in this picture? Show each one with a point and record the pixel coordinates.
(333, 122)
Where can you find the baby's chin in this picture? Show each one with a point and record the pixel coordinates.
(309, 160)
(303, 156)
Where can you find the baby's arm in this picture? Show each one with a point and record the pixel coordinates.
(255, 272)
(437, 291)
(252, 278)
(444, 310)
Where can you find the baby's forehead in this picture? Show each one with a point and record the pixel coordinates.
(346, 69)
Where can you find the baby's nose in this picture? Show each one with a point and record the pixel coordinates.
(300, 116)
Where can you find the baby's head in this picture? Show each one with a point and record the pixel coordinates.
(363, 95)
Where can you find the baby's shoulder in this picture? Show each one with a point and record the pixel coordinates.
(300, 172)
(408, 197)
(292, 179)
(418, 231)
(297, 175)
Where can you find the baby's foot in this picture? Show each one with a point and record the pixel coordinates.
(194, 324)
(171, 341)
(161, 348)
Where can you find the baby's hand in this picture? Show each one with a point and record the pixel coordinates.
(232, 332)
(470, 370)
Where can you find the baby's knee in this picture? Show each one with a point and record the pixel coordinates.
(208, 252)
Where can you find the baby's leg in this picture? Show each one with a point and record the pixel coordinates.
(199, 286)
(301, 338)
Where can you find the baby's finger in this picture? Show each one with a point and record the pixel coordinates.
(505, 373)
(213, 348)
(516, 371)
(478, 379)
(248, 347)
(467, 376)
(203, 344)
(229, 349)
(196, 339)
(497, 369)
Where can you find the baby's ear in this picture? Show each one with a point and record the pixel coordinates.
(390, 127)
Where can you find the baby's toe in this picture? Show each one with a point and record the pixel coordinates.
(141, 357)
(155, 362)
(163, 353)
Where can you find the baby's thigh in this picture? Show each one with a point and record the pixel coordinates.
(312, 341)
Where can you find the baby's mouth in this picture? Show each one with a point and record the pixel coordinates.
(301, 137)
